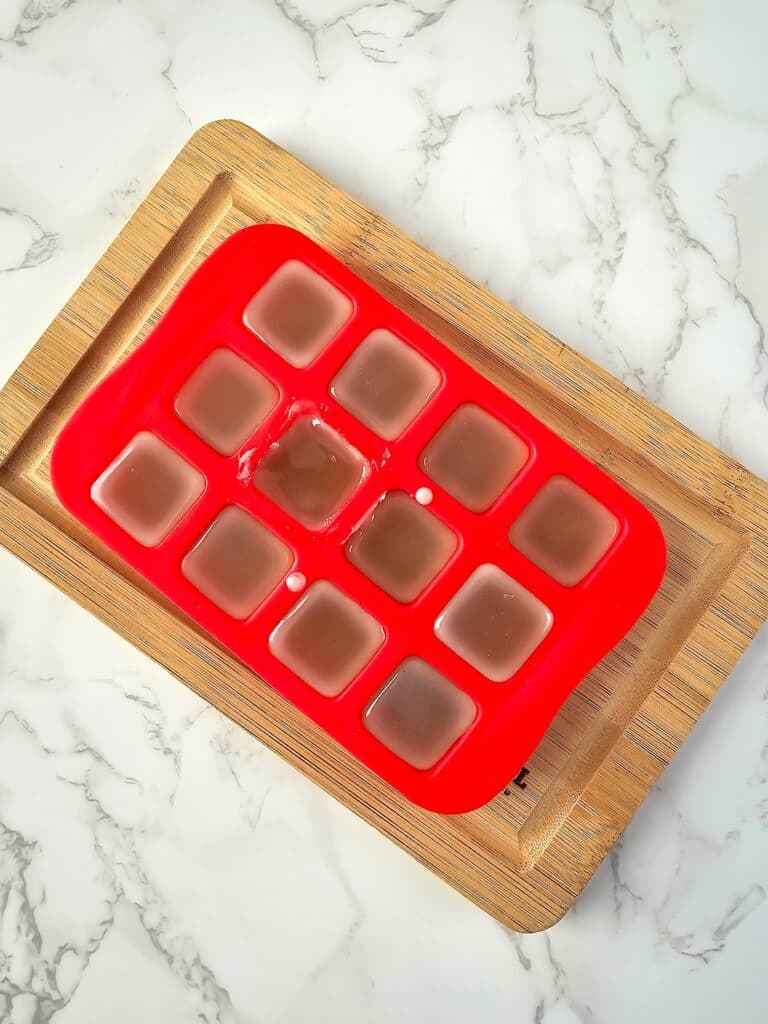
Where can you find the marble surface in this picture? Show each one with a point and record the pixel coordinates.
(602, 164)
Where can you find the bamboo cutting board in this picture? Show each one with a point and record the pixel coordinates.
(524, 857)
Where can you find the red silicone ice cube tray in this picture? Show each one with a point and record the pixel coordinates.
(448, 687)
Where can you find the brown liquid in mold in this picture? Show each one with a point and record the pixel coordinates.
(297, 312)
(310, 472)
(419, 714)
(401, 547)
(225, 400)
(147, 489)
(564, 531)
(237, 562)
(493, 623)
(326, 638)
(474, 457)
(385, 383)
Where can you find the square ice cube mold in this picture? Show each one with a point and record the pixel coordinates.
(473, 566)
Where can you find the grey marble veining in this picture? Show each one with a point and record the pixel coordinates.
(602, 164)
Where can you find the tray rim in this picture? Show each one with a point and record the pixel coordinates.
(732, 499)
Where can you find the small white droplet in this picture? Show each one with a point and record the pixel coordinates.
(296, 581)
(424, 496)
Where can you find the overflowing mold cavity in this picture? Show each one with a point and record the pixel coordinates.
(310, 472)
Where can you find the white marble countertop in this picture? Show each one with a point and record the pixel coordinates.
(602, 164)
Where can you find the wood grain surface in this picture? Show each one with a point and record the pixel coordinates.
(524, 857)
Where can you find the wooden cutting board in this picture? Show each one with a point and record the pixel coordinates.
(525, 856)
